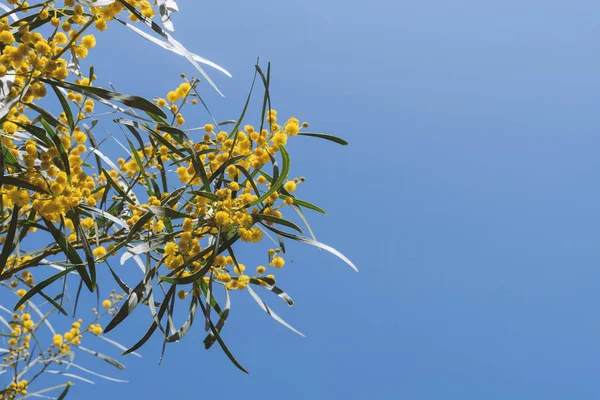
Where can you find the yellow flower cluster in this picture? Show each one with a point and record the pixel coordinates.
(28, 58)
(180, 198)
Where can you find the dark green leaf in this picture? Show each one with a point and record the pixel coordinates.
(136, 102)
(9, 180)
(280, 221)
(285, 168)
(66, 107)
(325, 136)
(64, 393)
(37, 288)
(59, 146)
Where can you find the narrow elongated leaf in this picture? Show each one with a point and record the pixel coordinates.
(155, 324)
(108, 378)
(305, 204)
(316, 244)
(118, 188)
(222, 343)
(66, 108)
(271, 313)
(210, 339)
(11, 235)
(166, 212)
(276, 220)
(188, 323)
(285, 168)
(140, 165)
(122, 223)
(51, 119)
(170, 47)
(37, 288)
(9, 180)
(69, 375)
(103, 357)
(65, 392)
(262, 282)
(176, 45)
(38, 133)
(70, 252)
(59, 146)
(139, 103)
(117, 345)
(331, 138)
(85, 244)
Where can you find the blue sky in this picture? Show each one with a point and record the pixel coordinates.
(468, 198)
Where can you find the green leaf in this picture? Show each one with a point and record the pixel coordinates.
(241, 118)
(64, 393)
(38, 288)
(116, 186)
(9, 180)
(267, 97)
(128, 306)
(59, 146)
(276, 220)
(151, 132)
(222, 343)
(210, 338)
(162, 212)
(139, 224)
(285, 168)
(305, 204)
(140, 165)
(36, 131)
(249, 178)
(208, 195)
(70, 252)
(66, 107)
(325, 136)
(136, 102)
(262, 282)
(11, 235)
(150, 331)
(51, 119)
(74, 215)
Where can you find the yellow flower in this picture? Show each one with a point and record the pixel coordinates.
(6, 37)
(172, 97)
(280, 138)
(278, 262)
(290, 186)
(60, 38)
(99, 252)
(100, 24)
(57, 340)
(221, 218)
(97, 330)
(106, 303)
(88, 41)
(292, 129)
(239, 269)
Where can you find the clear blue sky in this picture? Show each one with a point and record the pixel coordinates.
(468, 198)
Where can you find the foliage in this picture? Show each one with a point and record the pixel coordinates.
(176, 205)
